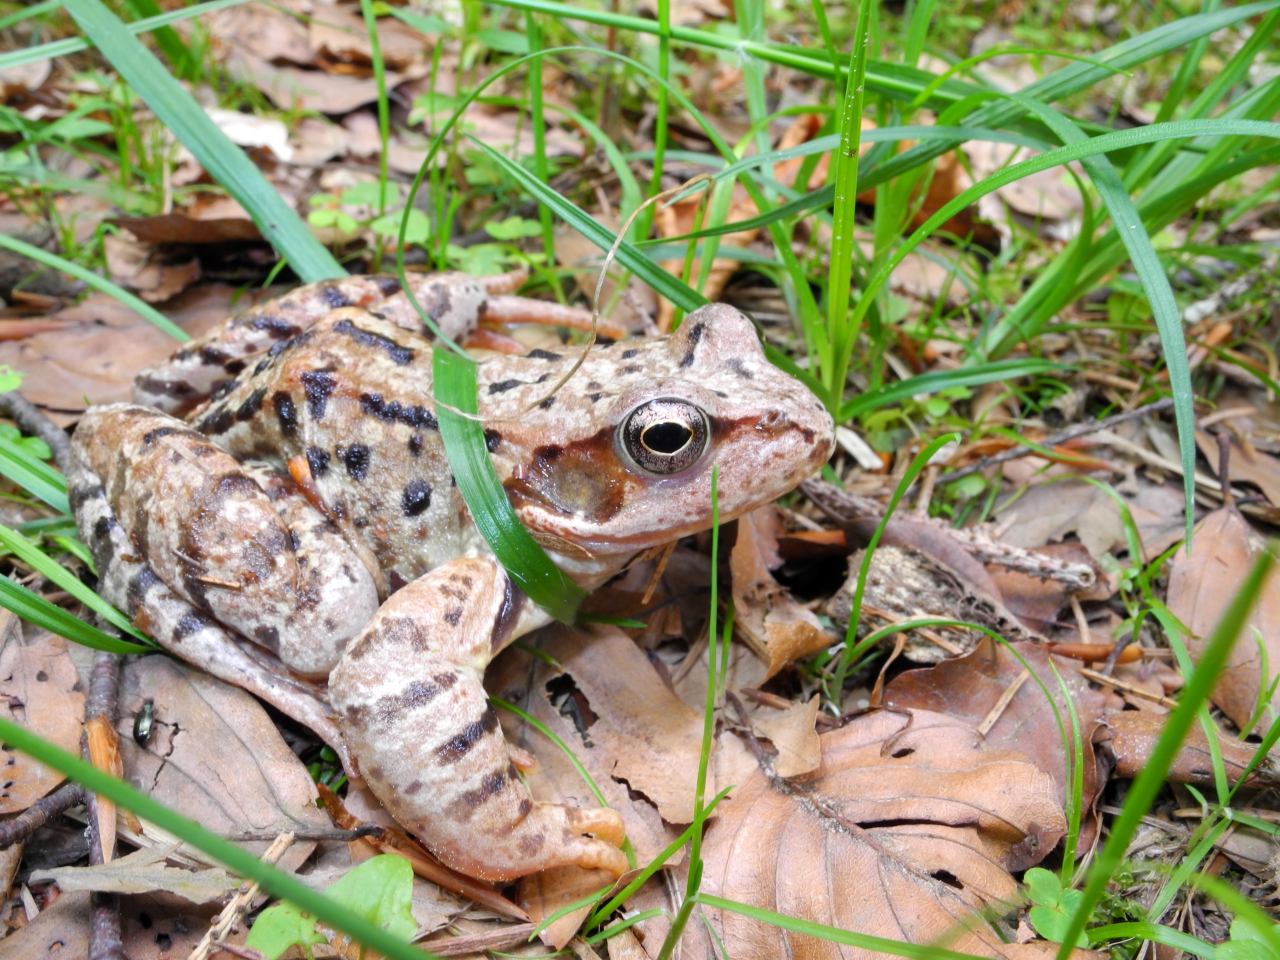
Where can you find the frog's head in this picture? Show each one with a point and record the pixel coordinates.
(639, 429)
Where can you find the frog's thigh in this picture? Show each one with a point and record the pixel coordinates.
(409, 694)
(127, 581)
(207, 527)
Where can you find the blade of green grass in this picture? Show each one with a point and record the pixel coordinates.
(36, 610)
(1155, 284)
(934, 381)
(223, 160)
(275, 882)
(839, 328)
(527, 564)
(35, 10)
(33, 475)
(56, 573)
(91, 279)
(863, 941)
(1150, 779)
(167, 40)
(918, 463)
(61, 48)
(694, 878)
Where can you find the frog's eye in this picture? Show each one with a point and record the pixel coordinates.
(664, 436)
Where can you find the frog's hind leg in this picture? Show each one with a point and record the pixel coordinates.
(410, 697)
(127, 581)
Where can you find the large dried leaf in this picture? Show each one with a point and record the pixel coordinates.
(1134, 734)
(1202, 584)
(100, 346)
(971, 689)
(62, 930)
(215, 756)
(39, 689)
(911, 825)
(778, 628)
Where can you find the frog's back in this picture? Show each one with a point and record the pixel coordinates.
(345, 408)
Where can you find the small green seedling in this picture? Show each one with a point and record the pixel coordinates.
(1245, 943)
(1052, 907)
(379, 890)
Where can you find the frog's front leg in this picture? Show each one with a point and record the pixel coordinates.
(409, 694)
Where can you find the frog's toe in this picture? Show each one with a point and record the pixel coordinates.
(558, 836)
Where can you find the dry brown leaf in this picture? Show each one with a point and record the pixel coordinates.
(62, 930)
(151, 272)
(1050, 511)
(216, 756)
(1201, 585)
(94, 356)
(914, 812)
(39, 689)
(190, 227)
(1134, 734)
(971, 688)
(143, 871)
(652, 737)
(794, 734)
(778, 628)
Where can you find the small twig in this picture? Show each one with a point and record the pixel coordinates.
(1062, 436)
(33, 421)
(503, 939)
(1006, 697)
(239, 905)
(1224, 467)
(19, 828)
(105, 941)
(1128, 688)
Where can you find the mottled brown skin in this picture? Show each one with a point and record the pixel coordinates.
(314, 486)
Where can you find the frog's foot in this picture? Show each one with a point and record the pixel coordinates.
(409, 694)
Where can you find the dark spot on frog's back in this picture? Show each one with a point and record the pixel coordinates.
(399, 354)
(453, 616)
(252, 404)
(157, 387)
(502, 386)
(695, 335)
(491, 440)
(318, 461)
(356, 457)
(415, 445)
(276, 327)
(318, 386)
(334, 296)
(286, 412)
(416, 497)
(736, 365)
(393, 411)
(218, 421)
(628, 354)
(540, 354)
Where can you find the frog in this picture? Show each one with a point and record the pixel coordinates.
(275, 506)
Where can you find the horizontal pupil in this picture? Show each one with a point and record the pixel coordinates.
(666, 437)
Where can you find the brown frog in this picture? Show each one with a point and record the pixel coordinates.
(282, 481)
